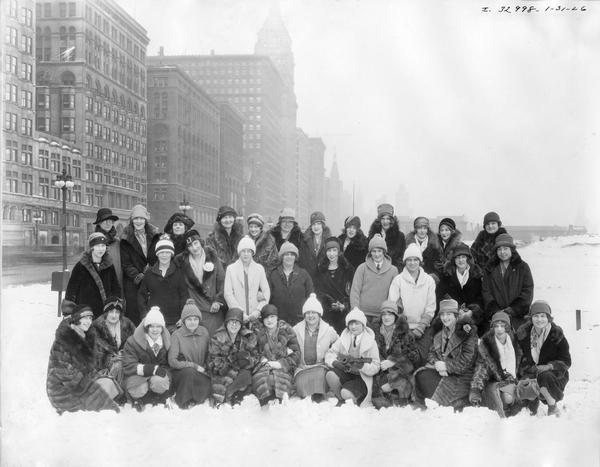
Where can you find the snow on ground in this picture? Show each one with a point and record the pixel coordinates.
(566, 271)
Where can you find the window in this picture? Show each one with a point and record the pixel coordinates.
(44, 187)
(72, 9)
(43, 100)
(11, 150)
(43, 160)
(54, 217)
(47, 9)
(89, 150)
(76, 168)
(10, 64)
(26, 214)
(62, 9)
(26, 99)
(26, 44)
(10, 93)
(89, 172)
(26, 154)
(89, 196)
(66, 164)
(42, 124)
(11, 36)
(27, 16)
(68, 124)
(55, 162)
(12, 181)
(89, 129)
(77, 194)
(68, 101)
(12, 8)
(26, 126)
(27, 184)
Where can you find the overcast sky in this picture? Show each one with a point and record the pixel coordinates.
(470, 111)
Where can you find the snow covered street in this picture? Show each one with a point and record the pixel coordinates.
(566, 273)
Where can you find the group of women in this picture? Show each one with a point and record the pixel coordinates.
(384, 319)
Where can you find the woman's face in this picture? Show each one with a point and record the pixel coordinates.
(412, 264)
(387, 318)
(445, 232)
(246, 255)
(233, 326)
(422, 232)
(270, 322)
(504, 253)
(192, 323)
(355, 327)
(254, 229)
(195, 248)
(139, 223)
(286, 225)
(461, 261)
(164, 257)
(227, 221)
(312, 318)
(99, 250)
(288, 259)
(317, 228)
(540, 320)
(386, 222)
(492, 227)
(85, 323)
(499, 329)
(107, 224)
(178, 228)
(332, 254)
(448, 318)
(154, 331)
(113, 316)
(377, 255)
(351, 231)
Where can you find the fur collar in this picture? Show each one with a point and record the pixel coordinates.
(455, 239)
(358, 238)
(139, 336)
(474, 270)
(342, 263)
(105, 262)
(178, 217)
(309, 236)
(111, 235)
(74, 342)
(515, 260)
(128, 233)
(432, 239)
(487, 345)
(401, 327)
(392, 236)
(484, 236)
(262, 240)
(220, 234)
(184, 258)
(555, 335)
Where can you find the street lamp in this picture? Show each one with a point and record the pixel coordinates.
(184, 206)
(64, 183)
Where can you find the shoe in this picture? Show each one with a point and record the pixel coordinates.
(138, 405)
(533, 406)
(553, 410)
(317, 398)
(381, 402)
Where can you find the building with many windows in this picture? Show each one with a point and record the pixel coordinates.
(232, 157)
(317, 174)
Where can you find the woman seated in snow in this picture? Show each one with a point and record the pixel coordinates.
(187, 358)
(145, 364)
(546, 356)
(354, 360)
(494, 381)
(73, 382)
(399, 357)
(232, 354)
(446, 378)
(279, 357)
(112, 330)
(428, 243)
(315, 337)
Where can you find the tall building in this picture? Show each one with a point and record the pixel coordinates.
(232, 157)
(183, 148)
(252, 85)
(301, 175)
(316, 188)
(333, 198)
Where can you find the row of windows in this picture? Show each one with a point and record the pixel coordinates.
(107, 134)
(10, 124)
(130, 105)
(11, 38)
(44, 10)
(115, 158)
(10, 66)
(39, 216)
(26, 17)
(11, 94)
(114, 114)
(227, 68)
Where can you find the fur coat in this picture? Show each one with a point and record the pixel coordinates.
(113, 247)
(433, 257)
(334, 286)
(106, 345)
(289, 295)
(454, 240)
(266, 251)
(394, 239)
(356, 251)
(295, 235)
(310, 257)
(225, 245)
(482, 248)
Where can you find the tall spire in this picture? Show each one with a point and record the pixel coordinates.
(334, 174)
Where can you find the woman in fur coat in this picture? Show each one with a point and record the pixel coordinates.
(232, 354)
(205, 277)
(312, 247)
(225, 236)
(546, 356)
(446, 378)
(279, 356)
(448, 237)
(105, 220)
(388, 227)
(177, 225)
(266, 249)
(483, 246)
(93, 278)
(354, 242)
(287, 229)
(137, 244)
(73, 382)
(427, 241)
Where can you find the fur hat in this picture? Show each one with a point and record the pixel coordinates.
(164, 244)
(504, 239)
(356, 315)
(389, 306)
(540, 306)
(236, 314)
(385, 209)
(191, 236)
(190, 309)
(246, 243)
(502, 317)
(332, 242)
(139, 211)
(317, 216)
(448, 223)
(79, 311)
(257, 219)
(377, 242)
(461, 249)
(449, 306)
(288, 247)
(225, 211)
(96, 238)
(287, 213)
(312, 304)
(154, 316)
(412, 251)
(113, 303)
(491, 217)
(67, 307)
(420, 222)
(105, 214)
(268, 310)
(352, 220)
(179, 217)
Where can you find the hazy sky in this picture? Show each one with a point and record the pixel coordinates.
(470, 111)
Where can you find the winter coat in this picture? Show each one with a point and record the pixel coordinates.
(266, 251)
(106, 345)
(134, 262)
(137, 351)
(454, 240)
(295, 236)
(188, 348)
(416, 298)
(209, 291)
(289, 294)
(514, 290)
(334, 286)
(225, 245)
(370, 287)
(482, 248)
(356, 251)
(178, 240)
(394, 239)
(71, 381)
(90, 286)
(113, 247)
(310, 257)
(460, 358)
(234, 291)
(433, 261)
(284, 349)
(470, 293)
(169, 293)
(367, 349)
(222, 364)
(554, 351)
(326, 336)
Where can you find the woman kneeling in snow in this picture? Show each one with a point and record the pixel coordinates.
(145, 361)
(494, 382)
(446, 378)
(354, 359)
(73, 382)
(187, 356)
(280, 354)
(315, 337)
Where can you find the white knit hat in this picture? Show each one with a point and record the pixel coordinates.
(412, 251)
(356, 315)
(165, 244)
(154, 316)
(246, 243)
(312, 304)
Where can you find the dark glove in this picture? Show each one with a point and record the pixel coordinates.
(475, 398)
(242, 359)
(148, 370)
(137, 279)
(339, 366)
(160, 371)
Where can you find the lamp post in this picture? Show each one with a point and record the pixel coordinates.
(184, 206)
(64, 183)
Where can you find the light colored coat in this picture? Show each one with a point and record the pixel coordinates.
(417, 298)
(370, 286)
(325, 338)
(234, 287)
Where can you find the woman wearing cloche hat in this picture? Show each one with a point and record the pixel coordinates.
(226, 235)
(105, 220)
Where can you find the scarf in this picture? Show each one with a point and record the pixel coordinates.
(78, 330)
(115, 331)
(387, 335)
(86, 262)
(463, 278)
(155, 345)
(422, 243)
(140, 236)
(197, 265)
(508, 360)
(346, 243)
(537, 339)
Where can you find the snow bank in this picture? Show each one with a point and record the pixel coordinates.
(302, 433)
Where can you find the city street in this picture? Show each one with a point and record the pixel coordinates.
(31, 273)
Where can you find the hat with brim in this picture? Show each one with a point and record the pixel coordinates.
(105, 214)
